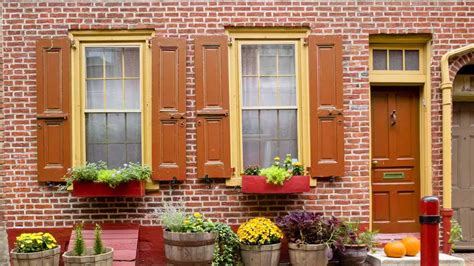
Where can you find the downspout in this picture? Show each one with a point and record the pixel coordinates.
(447, 102)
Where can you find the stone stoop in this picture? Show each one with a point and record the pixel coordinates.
(379, 259)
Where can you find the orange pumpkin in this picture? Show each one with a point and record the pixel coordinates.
(412, 245)
(395, 249)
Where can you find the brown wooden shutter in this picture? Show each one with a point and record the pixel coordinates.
(53, 85)
(169, 108)
(212, 107)
(326, 106)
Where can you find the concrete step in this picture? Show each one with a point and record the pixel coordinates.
(379, 259)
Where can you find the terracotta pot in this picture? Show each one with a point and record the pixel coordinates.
(307, 255)
(104, 259)
(189, 248)
(47, 257)
(353, 255)
(260, 255)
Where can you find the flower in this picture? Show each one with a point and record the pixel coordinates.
(276, 158)
(259, 231)
(35, 242)
(197, 215)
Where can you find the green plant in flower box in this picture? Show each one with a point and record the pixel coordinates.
(278, 172)
(98, 172)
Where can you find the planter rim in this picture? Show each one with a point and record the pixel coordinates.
(261, 247)
(306, 246)
(108, 251)
(355, 246)
(39, 254)
(165, 231)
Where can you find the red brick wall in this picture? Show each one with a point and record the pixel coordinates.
(31, 204)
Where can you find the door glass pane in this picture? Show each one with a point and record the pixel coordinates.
(412, 60)
(269, 106)
(379, 59)
(396, 59)
(113, 129)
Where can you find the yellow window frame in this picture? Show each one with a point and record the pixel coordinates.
(242, 36)
(417, 76)
(113, 38)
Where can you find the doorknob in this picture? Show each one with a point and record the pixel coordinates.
(393, 117)
(375, 162)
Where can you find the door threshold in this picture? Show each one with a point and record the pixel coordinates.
(384, 238)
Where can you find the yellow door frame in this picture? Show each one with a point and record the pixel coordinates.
(420, 79)
(447, 110)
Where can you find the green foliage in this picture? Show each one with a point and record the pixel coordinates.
(79, 245)
(455, 233)
(226, 250)
(35, 242)
(196, 223)
(252, 170)
(98, 244)
(349, 233)
(98, 172)
(275, 175)
(172, 216)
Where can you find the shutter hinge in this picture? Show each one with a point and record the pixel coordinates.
(305, 41)
(148, 41)
(230, 41)
(73, 44)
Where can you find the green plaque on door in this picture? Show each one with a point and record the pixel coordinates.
(393, 175)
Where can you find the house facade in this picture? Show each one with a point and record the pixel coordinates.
(373, 98)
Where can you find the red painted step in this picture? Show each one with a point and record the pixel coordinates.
(123, 241)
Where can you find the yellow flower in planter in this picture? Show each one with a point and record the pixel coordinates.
(259, 231)
(35, 242)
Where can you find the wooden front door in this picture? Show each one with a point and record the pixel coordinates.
(395, 159)
(463, 171)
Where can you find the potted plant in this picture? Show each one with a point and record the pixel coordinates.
(188, 238)
(80, 255)
(227, 248)
(260, 242)
(279, 178)
(310, 236)
(352, 244)
(33, 249)
(96, 180)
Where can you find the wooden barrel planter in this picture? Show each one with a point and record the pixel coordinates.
(189, 248)
(104, 259)
(307, 255)
(47, 257)
(263, 255)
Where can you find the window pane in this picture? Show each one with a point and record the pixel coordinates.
(287, 125)
(286, 60)
(95, 94)
(134, 153)
(412, 60)
(116, 127)
(134, 131)
(268, 65)
(131, 57)
(114, 94)
(132, 94)
(268, 91)
(96, 128)
(380, 59)
(94, 62)
(250, 91)
(396, 59)
(287, 91)
(113, 62)
(249, 60)
(117, 155)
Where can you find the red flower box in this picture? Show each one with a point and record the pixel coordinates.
(92, 189)
(259, 185)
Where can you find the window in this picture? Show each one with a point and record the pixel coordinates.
(396, 59)
(269, 98)
(112, 109)
(269, 103)
(111, 97)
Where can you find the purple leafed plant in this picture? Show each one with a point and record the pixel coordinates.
(308, 228)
